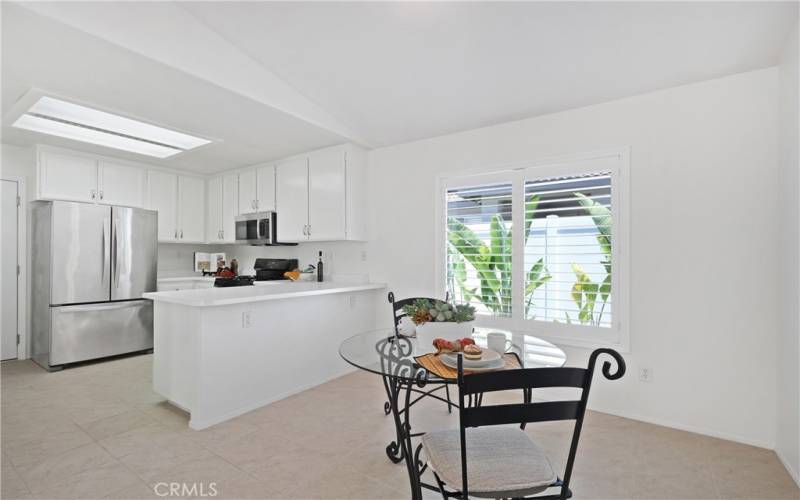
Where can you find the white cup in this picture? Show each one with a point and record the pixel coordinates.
(498, 342)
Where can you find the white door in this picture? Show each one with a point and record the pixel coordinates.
(214, 215)
(162, 193)
(230, 204)
(121, 185)
(191, 209)
(67, 177)
(326, 197)
(291, 200)
(247, 192)
(8, 270)
(265, 182)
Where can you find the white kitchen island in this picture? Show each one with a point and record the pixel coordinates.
(221, 352)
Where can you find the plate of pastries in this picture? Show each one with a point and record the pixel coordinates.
(475, 357)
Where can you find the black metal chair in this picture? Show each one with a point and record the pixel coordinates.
(488, 461)
(398, 314)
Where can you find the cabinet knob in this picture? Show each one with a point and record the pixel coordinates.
(176, 234)
(101, 194)
(304, 229)
(309, 229)
(94, 194)
(181, 233)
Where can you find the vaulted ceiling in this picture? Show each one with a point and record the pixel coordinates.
(270, 79)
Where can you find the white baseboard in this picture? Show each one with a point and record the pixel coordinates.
(793, 473)
(689, 428)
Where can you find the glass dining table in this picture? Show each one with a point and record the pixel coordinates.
(408, 377)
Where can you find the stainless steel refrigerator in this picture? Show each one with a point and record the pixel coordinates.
(91, 264)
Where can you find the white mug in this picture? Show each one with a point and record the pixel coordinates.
(406, 326)
(498, 342)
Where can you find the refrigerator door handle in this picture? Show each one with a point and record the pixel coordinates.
(116, 255)
(106, 250)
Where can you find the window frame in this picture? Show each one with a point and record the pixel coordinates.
(615, 161)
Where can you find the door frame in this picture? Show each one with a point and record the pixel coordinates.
(22, 262)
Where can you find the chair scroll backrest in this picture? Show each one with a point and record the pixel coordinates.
(531, 378)
(397, 308)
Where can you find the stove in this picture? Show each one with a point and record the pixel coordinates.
(273, 269)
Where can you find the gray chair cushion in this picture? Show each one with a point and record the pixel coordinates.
(502, 461)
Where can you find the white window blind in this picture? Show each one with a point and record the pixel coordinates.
(568, 249)
(479, 247)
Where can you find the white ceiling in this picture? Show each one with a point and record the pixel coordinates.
(404, 71)
(38, 52)
(276, 78)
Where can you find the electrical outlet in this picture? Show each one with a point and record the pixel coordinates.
(247, 319)
(353, 301)
(363, 256)
(645, 374)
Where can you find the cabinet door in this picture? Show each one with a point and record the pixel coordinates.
(265, 182)
(214, 215)
(191, 209)
(121, 185)
(230, 205)
(67, 177)
(326, 196)
(247, 192)
(291, 199)
(162, 195)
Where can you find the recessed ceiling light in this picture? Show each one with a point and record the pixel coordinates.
(72, 121)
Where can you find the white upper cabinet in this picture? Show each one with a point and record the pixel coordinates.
(265, 192)
(222, 209)
(247, 192)
(257, 189)
(191, 209)
(67, 177)
(214, 215)
(321, 197)
(229, 203)
(121, 184)
(326, 196)
(162, 193)
(291, 179)
(181, 205)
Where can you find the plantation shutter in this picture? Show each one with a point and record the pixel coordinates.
(568, 253)
(479, 230)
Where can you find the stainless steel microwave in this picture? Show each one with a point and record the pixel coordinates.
(256, 228)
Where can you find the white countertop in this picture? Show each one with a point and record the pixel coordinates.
(186, 278)
(262, 290)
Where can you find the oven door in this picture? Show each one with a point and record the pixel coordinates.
(254, 229)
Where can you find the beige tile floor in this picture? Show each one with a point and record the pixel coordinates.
(98, 431)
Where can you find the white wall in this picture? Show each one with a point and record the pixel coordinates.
(703, 187)
(788, 344)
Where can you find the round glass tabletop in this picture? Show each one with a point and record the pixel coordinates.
(380, 352)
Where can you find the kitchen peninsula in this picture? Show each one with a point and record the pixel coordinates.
(221, 352)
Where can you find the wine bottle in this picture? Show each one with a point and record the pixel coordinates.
(319, 268)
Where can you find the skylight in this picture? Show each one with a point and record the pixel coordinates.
(72, 121)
